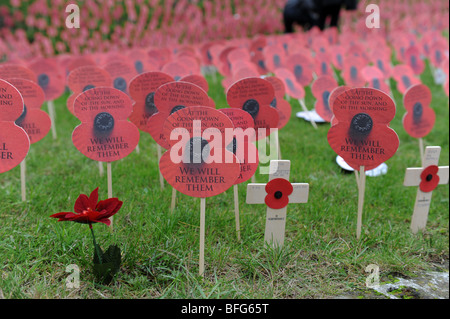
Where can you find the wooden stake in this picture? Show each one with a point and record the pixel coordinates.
(201, 268)
(421, 150)
(362, 186)
(100, 169)
(357, 178)
(161, 178)
(23, 180)
(109, 177)
(236, 211)
(302, 104)
(277, 141)
(174, 198)
(51, 113)
(137, 149)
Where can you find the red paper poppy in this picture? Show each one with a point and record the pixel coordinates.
(198, 80)
(141, 61)
(198, 164)
(142, 90)
(337, 56)
(293, 88)
(351, 72)
(362, 136)
(419, 118)
(375, 78)
(104, 133)
(121, 71)
(413, 59)
(241, 146)
(169, 98)
(429, 179)
(89, 210)
(275, 56)
(322, 63)
(283, 106)
(333, 95)
(278, 191)
(84, 78)
(254, 96)
(33, 120)
(10, 70)
(321, 89)
(222, 63)
(405, 77)
(259, 60)
(14, 141)
(300, 66)
(49, 77)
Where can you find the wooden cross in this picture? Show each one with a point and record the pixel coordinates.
(423, 199)
(276, 218)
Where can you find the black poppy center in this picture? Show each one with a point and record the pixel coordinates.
(251, 106)
(274, 103)
(103, 122)
(198, 150)
(43, 80)
(22, 116)
(361, 124)
(139, 67)
(278, 194)
(429, 177)
(417, 111)
(232, 146)
(150, 106)
(325, 97)
(88, 87)
(176, 108)
(120, 83)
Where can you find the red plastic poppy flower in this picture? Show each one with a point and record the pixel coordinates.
(362, 136)
(419, 118)
(198, 163)
(321, 89)
(89, 210)
(142, 90)
(254, 96)
(169, 98)
(429, 179)
(278, 191)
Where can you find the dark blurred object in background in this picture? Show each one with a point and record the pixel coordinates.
(310, 13)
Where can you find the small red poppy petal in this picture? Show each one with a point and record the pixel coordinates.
(93, 198)
(61, 215)
(81, 204)
(110, 206)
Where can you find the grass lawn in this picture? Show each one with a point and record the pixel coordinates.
(321, 257)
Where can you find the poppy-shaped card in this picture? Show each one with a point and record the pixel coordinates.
(198, 163)
(414, 60)
(405, 77)
(121, 73)
(283, 106)
(49, 77)
(362, 136)
(104, 133)
(293, 88)
(84, 78)
(142, 91)
(33, 120)
(169, 98)
(301, 67)
(419, 118)
(14, 141)
(241, 146)
(321, 89)
(275, 56)
(333, 95)
(254, 96)
(351, 72)
(9, 71)
(374, 78)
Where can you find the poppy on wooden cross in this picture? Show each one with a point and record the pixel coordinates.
(427, 178)
(277, 194)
